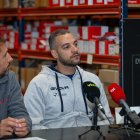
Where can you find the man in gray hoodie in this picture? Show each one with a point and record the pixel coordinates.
(14, 119)
(54, 98)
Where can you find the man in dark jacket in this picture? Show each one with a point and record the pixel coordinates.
(14, 119)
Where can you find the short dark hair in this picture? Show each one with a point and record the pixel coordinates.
(53, 36)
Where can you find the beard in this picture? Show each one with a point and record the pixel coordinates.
(69, 62)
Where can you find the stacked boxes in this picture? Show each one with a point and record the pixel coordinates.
(107, 77)
(133, 1)
(11, 36)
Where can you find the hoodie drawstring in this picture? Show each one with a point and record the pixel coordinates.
(84, 97)
(61, 100)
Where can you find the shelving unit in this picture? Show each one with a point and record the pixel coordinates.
(134, 11)
(110, 10)
(10, 12)
(46, 55)
(104, 11)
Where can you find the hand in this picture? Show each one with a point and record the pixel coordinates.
(6, 126)
(21, 128)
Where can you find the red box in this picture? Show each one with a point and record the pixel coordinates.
(94, 46)
(68, 2)
(25, 46)
(103, 47)
(90, 32)
(27, 35)
(80, 32)
(99, 2)
(86, 2)
(114, 2)
(53, 28)
(41, 44)
(82, 2)
(133, 1)
(54, 3)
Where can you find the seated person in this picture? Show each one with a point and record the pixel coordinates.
(54, 98)
(14, 118)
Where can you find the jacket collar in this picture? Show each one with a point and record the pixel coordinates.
(4, 77)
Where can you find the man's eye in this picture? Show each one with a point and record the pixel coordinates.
(75, 43)
(66, 47)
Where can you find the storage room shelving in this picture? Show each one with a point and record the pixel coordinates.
(103, 11)
(98, 11)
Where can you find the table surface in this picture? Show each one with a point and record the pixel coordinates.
(115, 133)
(73, 134)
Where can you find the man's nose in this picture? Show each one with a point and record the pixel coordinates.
(10, 59)
(74, 48)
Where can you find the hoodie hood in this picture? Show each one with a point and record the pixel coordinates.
(47, 70)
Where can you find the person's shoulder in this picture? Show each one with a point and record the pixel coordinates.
(88, 75)
(11, 74)
(85, 72)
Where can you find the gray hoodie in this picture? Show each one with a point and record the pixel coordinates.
(11, 99)
(54, 103)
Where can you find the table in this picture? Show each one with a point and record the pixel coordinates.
(73, 134)
(113, 133)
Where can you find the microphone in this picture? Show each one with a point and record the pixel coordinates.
(93, 93)
(119, 97)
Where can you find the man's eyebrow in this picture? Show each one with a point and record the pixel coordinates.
(75, 41)
(63, 45)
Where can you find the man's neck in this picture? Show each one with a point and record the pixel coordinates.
(66, 70)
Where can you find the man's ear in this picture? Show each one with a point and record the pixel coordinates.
(54, 53)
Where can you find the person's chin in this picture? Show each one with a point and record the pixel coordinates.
(77, 62)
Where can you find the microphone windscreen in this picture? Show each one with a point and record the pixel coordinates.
(116, 92)
(91, 90)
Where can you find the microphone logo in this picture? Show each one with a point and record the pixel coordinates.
(112, 90)
(91, 85)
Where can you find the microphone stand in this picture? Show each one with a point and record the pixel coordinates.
(123, 113)
(94, 122)
(126, 125)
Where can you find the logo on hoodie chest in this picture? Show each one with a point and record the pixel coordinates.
(63, 90)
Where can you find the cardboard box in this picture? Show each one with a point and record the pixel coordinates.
(109, 76)
(30, 74)
(44, 3)
(112, 104)
(13, 3)
(1, 3)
